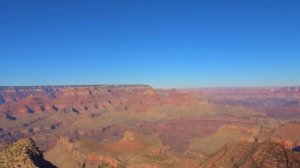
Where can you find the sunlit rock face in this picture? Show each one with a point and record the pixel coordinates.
(76, 99)
(23, 153)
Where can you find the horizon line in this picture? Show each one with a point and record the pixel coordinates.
(179, 88)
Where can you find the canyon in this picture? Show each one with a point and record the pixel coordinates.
(139, 126)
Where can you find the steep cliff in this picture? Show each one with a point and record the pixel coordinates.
(76, 99)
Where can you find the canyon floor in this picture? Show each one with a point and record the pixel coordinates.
(138, 126)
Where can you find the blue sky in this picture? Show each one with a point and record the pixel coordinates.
(164, 43)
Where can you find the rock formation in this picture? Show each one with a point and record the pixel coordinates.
(76, 99)
(268, 154)
(25, 154)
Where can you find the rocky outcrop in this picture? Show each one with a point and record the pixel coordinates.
(268, 154)
(23, 153)
(289, 132)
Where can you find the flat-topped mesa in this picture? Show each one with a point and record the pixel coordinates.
(19, 100)
(11, 94)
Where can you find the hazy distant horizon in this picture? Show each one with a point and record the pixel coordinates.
(191, 88)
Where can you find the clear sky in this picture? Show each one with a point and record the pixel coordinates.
(164, 43)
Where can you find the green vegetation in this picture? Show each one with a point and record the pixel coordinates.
(103, 164)
(121, 164)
